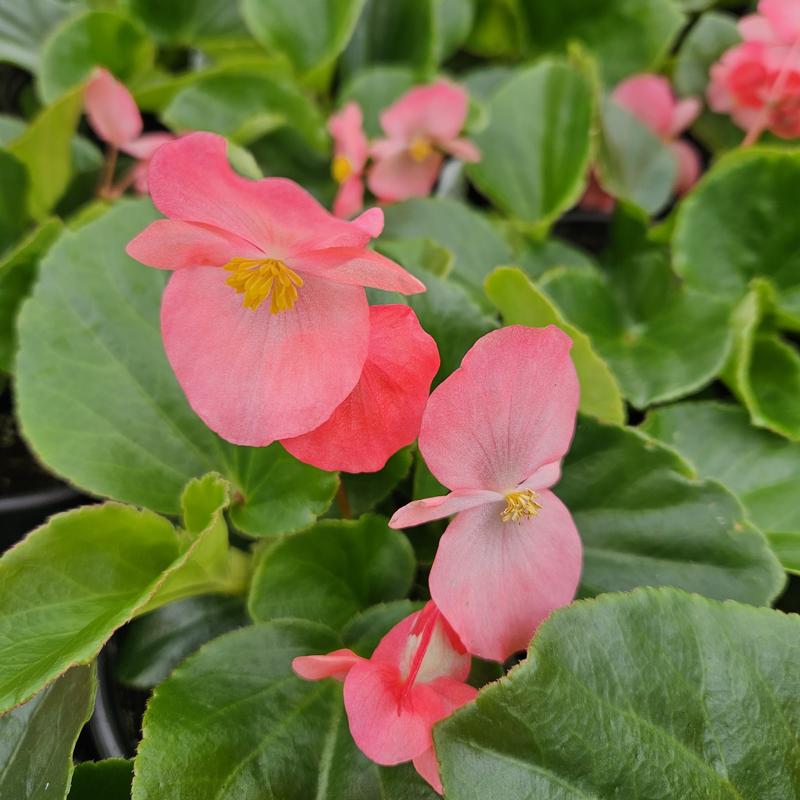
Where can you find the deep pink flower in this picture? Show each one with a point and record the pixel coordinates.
(494, 433)
(421, 127)
(414, 679)
(384, 411)
(350, 151)
(115, 118)
(265, 320)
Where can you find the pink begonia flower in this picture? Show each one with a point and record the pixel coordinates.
(421, 127)
(265, 319)
(115, 118)
(384, 412)
(350, 151)
(414, 679)
(494, 433)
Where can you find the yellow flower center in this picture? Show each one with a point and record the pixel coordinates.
(520, 504)
(420, 148)
(257, 278)
(341, 169)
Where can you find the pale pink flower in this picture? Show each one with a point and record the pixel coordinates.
(350, 151)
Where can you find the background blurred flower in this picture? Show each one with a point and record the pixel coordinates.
(350, 151)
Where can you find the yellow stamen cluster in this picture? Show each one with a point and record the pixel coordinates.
(257, 278)
(521, 504)
(420, 148)
(341, 169)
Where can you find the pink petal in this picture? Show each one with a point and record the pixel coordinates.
(437, 111)
(139, 173)
(386, 148)
(349, 139)
(497, 581)
(508, 410)
(350, 198)
(145, 146)
(371, 222)
(784, 16)
(190, 179)
(543, 478)
(400, 177)
(755, 28)
(463, 149)
(689, 166)
(356, 266)
(649, 98)
(111, 109)
(172, 244)
(595, 197)
(333, 665)
(384, 411)
(252, 376)
(684, 113)
(427, 766)
(420, 511)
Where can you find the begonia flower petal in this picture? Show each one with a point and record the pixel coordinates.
(463, 149)
(437, 111)
(349, 139)
(111, 109)
(419, 512)
(689, 166)
(649, 98)
(349, 198)
(784, 16)
(400, 177)
(334, 665)
(146, 145)
(684, 113)
(427, 766)
(371, 222)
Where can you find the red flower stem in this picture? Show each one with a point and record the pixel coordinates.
(107, 176)
(342, 502)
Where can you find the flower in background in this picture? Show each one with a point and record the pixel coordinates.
(115, 118)
(757, 82)
(494, 433)
(265, 319)
(350, 151)
(421, 127)
(414, 679)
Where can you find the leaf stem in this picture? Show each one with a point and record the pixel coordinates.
(342, 502)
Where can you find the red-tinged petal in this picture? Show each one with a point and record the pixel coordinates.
(454, 692)
(111, 109)
(349, 199)
(463, 149)
(252, 376)
(507, 411)
(649, 98)
(145, 146)
(371, 222)
(684, 113)
(420, 511)
(349, 139)
(390, 723)
(384, 411)
(427, 766)
(173, 244)
(190, 179)
(400, 177)
(437, 111)
(689, 166)
(358, 267)
(497, 581)
(334, 665)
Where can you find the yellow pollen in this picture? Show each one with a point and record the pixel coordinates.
(257, 278)
(520, 504)
(420, 148)
(341, 169)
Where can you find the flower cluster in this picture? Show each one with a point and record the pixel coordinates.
(420, 129)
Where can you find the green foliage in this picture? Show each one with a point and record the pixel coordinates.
(109, 779)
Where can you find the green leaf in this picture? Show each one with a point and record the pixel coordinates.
(707, 40)
(291, 735)
(453, 23)
(762, 469)
(332, 571)
(375, 89)
(45, 148)
(244, 105)
(102, 780)
(17, 271)
(497, 29)
(521, 303)
(626, 36)
(14, 185)
(37, 739)
(189, 21)
(367, 489)
(311, 33)
(534, 154)
(737, 225)
(646, 520)
(95, 38)
(153, 645)
(678, 696)
(99, 403)
(23, 26)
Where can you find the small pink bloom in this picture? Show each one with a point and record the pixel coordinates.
(421, 127)
(384, 411)
(414, 679)
(265, 320)
(495, 432)
(350, 151)
(776, 23)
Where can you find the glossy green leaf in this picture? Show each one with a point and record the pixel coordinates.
(96, 38)
(375, 89)
(521, 303)
(367, 489)
(762, 469)
(708, 39)
(536, 258)
(453, 22)
(154, 644)
(655, 694)
(45, 148)
(331, 572)
(23, 26)
(646, 520)
(99, 403)
(102, 780)
(534, 155)
(37, 738)
(310, 32)
(291, 735)
(14, 188)
(189, 21)
(626, 36)
(738, 224)
(497, 29)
